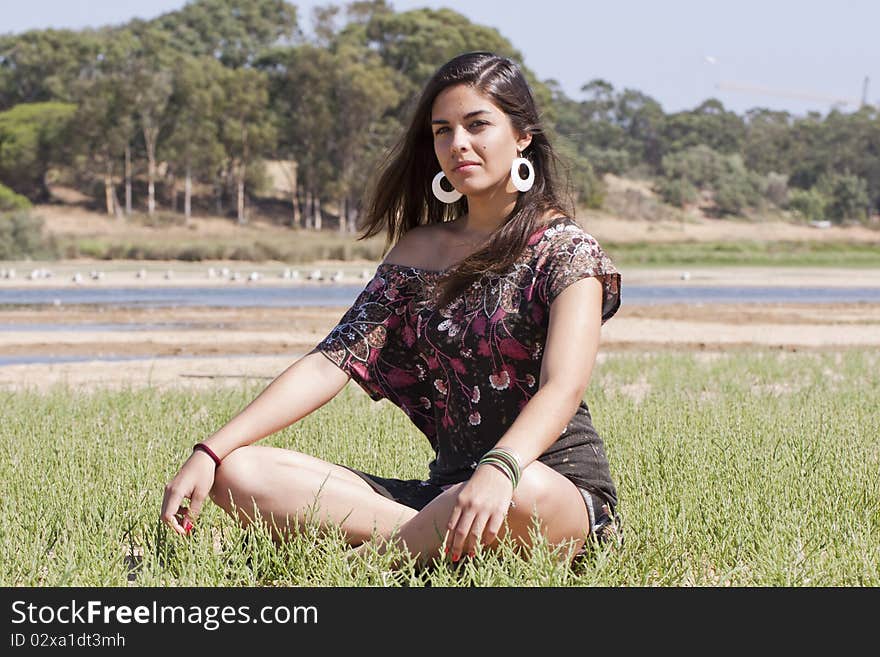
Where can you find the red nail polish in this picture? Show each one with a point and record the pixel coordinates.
(455, 557)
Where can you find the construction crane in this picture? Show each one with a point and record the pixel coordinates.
(835, 101)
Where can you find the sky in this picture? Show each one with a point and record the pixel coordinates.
(794, 55)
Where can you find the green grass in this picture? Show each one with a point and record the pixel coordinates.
(746, 253)
(742, 468)
(293, 247)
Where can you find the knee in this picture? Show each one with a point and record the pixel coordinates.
(529, 495)
(234, 475)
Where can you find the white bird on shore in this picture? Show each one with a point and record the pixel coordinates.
(35, 274)
(685, 276)
(225, 272)
(10, 273)
(169, 275)
(211, 272)
(141, 273)
(234, 276)
(254, 276)
(286, 274)
(77, 278)
(337, 277)
(365, 274)
(316, 275)
(97, 275)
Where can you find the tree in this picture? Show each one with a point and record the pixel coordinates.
(231, 31)
(247, 130)
(847, 194)
(104, 124)
(193, 145)
(150, 77)
(33, 136)
(708, 124)
(42, 65)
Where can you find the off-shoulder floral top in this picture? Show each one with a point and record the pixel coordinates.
(462, 373)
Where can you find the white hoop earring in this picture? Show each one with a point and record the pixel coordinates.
(442, 194)
(522, 184)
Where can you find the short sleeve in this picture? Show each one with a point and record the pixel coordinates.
(569, 254)
(356, 342)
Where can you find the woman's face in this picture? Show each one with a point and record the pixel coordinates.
(469, 127)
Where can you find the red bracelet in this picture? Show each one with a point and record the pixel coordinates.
(210, 452)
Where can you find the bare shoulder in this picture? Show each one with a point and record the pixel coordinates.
(416, 245)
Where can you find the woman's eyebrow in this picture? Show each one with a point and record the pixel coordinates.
(467, 116)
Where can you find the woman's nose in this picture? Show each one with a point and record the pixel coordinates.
(460, 139)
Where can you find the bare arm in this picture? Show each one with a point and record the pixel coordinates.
(308, 384)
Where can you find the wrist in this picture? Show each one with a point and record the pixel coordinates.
(207, 451)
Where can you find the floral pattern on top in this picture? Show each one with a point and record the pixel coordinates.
(463, 372)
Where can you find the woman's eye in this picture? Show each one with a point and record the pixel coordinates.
(474, 124)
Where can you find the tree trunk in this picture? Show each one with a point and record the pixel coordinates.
(351, 217)
(151, 185)
(318, 217)
(127, 180)
(308, 209)
(343, 209)
(108, 189)
(187, 195)
(241, 217)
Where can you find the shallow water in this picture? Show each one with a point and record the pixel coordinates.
(344, 295)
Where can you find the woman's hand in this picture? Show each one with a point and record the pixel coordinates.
(194, 481)
(483, 503)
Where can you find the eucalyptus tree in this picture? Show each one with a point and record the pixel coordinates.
(301, 81)
(105, 123)
(193, 145)
(33, 137)
(147, 66)
(247, 129)
(709, 124)
(364, 94)
(42, 65)
(235, 33)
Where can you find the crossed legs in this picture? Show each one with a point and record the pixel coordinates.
(290, 488)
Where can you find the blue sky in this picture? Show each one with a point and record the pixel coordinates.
(796, 55)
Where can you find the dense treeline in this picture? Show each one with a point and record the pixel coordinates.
(183, 112)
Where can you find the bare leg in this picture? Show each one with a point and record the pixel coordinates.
(290, 488)
(561, 512)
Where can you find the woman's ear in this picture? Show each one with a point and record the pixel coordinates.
(523, 142)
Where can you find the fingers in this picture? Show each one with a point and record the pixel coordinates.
(490, 533)
(458, 531)
(177, 516)
(475, 536)
(171, 507)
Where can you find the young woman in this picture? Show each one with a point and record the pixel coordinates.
(482, 324)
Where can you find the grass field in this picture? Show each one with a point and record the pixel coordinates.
(746, 253)
(305, 247)
(733, 468)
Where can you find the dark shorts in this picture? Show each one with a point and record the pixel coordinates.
(416, 494)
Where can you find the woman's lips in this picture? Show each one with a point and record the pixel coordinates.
(466, 167)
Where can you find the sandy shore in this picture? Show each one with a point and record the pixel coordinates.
(195, 347)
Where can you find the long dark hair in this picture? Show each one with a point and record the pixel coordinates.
(402, 198)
